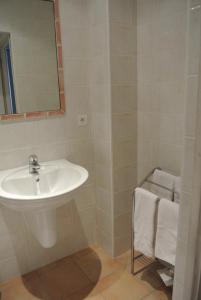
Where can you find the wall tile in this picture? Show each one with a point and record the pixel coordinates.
(122, 123)
(194, 43)
(98, 12)
(76, 14)
(124, 153)
(124, 178)
(191, 105)
(123, 70)
(122, 225)
(123, 202)
(102, 152)
(124, 98)
(122, 40)
(76, 42)
(99, 70)
(101, 126)
(99, 99)
(103, 176)
(121, 12)
(77, 71)
(188, 167)
(51, 139)
(104, 222)
(103, 200)
(122, 244)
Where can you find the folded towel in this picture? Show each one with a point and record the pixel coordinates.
(165, 179)
(145, 221)
(166, 234)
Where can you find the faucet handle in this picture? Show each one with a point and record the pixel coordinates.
(33, 159)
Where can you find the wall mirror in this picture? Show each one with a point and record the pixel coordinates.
(31, 69)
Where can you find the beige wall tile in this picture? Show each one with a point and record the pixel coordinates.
(122, 244)
(77, 71)
(123, 202)
(66, 140)
(104, 222)
(124, 153)
(194, 44)
(125, 178)
(122, 125)
(98, 12)
(103, 176)
(124, 98)
(104, 200)
(122, 225)
(123, 70)
(121, 12)
(191, 105)
(123, 40)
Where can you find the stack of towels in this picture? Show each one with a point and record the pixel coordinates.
(156, 218)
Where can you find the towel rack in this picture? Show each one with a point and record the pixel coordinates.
(133, 257)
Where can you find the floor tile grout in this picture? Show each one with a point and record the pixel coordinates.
(113, 274)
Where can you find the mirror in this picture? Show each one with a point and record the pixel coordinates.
(31, 70)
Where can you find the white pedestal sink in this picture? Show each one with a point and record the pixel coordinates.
(20, 191)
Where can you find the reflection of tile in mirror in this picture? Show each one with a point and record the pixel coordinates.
(7, 92)
(33, 57)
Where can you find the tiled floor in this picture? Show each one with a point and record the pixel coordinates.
(90, 274)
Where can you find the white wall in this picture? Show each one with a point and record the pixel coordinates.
(54, 138)
(188, 263)
(101, 121)
(123, 66)
(161, 42)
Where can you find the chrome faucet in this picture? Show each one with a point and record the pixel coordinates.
(34, 166)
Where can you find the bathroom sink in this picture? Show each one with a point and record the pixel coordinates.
(21, 190)
(36, 192)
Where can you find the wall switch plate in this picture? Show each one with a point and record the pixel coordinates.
(82, 120)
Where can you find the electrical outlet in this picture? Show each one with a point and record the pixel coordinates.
(82, 120)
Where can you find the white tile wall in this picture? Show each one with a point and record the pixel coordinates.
(133, 94)
(187, 273)
(123, 64)
(50, 139)
(161, 67)
(101, 120)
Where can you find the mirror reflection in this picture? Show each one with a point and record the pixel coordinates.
(28, 57)
(7, 93)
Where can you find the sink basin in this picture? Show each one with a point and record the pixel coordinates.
(21, 191)
(38, 196)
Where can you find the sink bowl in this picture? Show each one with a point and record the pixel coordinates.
(38, 196)
(20, 190)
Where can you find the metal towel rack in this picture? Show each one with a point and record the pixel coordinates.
(133, 257)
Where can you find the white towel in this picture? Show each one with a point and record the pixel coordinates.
(165, 179)
(166, 234)
(144, 221)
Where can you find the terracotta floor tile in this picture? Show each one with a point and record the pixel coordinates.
(89, 293)
(97, 264)
(95, 251)
(89, 274)
(47, 268)
(63, 280)
(23, 288)
(125, 258)
(122, 285)
(92, 249)
(160, 295)
(149, 275)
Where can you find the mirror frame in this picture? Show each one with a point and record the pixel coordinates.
(60, 71)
